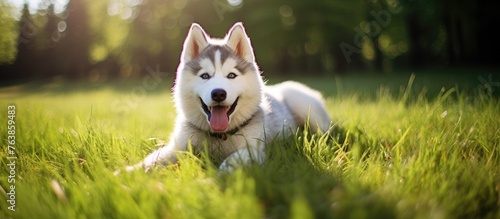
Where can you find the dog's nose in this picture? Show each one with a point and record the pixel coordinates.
(218, 95)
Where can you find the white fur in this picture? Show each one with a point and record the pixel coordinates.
(262, 112)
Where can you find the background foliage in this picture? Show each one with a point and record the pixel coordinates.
(99, 40)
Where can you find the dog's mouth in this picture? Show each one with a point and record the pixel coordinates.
(218, 116)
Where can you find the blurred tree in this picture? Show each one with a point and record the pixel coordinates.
(8, 36)
(146, 42)
(488, 44)
(26, 46)
(374, 27)
(75, 45)
(451, 20)
(49, 38)
(108, 31)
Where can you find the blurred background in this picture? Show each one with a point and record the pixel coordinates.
(121, 39)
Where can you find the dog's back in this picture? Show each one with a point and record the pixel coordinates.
(305, 104)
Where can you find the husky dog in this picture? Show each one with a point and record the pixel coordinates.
(224, 107)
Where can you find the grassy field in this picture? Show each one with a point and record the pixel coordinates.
(423, 147)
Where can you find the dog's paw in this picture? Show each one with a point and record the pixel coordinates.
(132, 168)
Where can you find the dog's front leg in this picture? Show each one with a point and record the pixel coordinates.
(242, 157)
(162, 156)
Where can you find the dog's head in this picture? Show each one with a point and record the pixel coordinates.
(218, 84)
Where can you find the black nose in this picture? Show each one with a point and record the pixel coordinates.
(218, 95)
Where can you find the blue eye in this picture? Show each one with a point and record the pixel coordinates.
(231, 75)
(205, 76)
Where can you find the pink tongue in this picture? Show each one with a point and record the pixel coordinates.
(219, 121)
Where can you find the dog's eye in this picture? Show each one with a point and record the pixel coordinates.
(231, 75)
(205, 76)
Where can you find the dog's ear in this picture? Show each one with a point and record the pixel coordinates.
(239, 42)
(195, 42)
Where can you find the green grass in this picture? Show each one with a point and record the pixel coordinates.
(403, 150)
